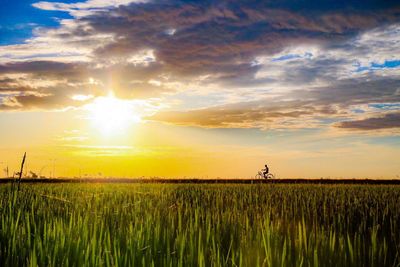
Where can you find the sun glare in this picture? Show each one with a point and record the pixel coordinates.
(111, 115)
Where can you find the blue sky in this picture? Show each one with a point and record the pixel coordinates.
(19, 18)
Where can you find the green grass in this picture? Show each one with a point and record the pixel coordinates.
(199, 225)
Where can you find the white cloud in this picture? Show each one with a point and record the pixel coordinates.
(55, 44)
(83, 8)
(144, 58)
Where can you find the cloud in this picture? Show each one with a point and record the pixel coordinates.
(305, 108)
(387, 121)
(31, 84)
(259, 64)
(82, 8)
(219, 38)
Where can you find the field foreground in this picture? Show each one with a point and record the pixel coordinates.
(205, 181)
(91, 224)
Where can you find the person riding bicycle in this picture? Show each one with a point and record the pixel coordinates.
(265, 171)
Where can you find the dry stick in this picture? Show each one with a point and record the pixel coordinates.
(22, 168)
(13, 182)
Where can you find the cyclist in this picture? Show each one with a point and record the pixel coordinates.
(265, 171)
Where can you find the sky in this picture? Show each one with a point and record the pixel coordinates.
(137, 88)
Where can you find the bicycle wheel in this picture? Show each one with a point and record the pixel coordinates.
(258, 176)
(270, 176)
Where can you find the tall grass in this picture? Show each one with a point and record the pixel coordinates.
(199, 225)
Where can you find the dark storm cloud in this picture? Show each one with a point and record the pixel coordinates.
(387, 121)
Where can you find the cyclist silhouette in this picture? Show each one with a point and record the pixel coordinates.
(265, 171)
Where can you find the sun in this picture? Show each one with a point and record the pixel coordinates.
(111, 115)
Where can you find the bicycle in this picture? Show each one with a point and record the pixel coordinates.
(260, 175)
